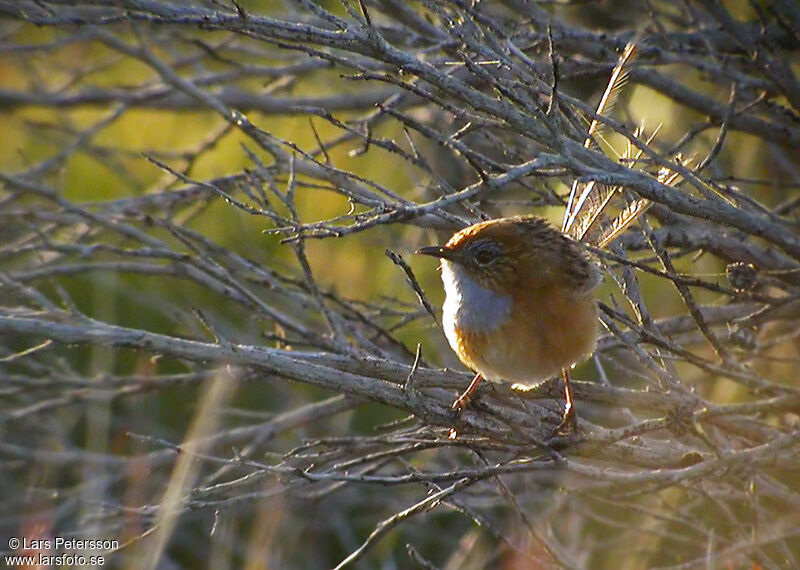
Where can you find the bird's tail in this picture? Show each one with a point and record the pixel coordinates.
(597, 213)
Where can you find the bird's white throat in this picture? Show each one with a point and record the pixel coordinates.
(468, 306)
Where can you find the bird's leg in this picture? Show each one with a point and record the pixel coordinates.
(568, 422)
(462, 401)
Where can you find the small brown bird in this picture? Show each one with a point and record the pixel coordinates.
(519, 305)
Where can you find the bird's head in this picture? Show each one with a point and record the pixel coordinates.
(510, 255)
(489, 253)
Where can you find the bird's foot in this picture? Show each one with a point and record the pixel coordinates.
(463, 400)
(569, 423)
(461, 403)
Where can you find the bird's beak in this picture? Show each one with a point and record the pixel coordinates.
(438, 251)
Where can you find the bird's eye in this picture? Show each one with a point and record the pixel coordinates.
(484, 257)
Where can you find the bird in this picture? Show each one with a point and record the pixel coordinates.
(519, 303)
(519, 293)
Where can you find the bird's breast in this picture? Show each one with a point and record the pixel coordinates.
(522, 337)
(470, 307)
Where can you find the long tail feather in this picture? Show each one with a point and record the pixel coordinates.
(607, 101)
(620, 223)
(597, 198)
(618, 78)
(632, 210)
(597, 213)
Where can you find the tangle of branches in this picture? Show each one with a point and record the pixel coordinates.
(216, 348)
